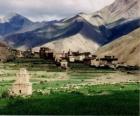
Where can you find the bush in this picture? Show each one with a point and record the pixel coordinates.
(52, 91)
(5, 94)
(76, 93)
(37, 93)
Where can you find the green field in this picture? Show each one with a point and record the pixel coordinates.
(79, 90)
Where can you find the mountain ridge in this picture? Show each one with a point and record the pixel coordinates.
(92, 28)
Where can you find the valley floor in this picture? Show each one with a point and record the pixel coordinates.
(79, 90)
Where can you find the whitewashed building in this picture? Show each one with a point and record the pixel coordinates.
(64, 64)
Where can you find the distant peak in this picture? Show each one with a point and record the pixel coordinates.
(10, 16)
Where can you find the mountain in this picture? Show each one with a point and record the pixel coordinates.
(83, 32)
(12, 23)
(77, 27)
(126, 48)
(123, 20)
(121, 9)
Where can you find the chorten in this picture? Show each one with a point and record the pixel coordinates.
(22, 85)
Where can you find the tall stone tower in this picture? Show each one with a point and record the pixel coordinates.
(22, 86)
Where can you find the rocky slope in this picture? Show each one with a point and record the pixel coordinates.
(5, 54)
(74, 43)
(121, 9)
(126, 48)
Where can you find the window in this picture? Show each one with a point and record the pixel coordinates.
(19, 91)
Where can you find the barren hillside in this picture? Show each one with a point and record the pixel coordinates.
(126, 48)
(121, 9)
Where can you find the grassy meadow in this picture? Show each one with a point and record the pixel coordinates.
(81, 89)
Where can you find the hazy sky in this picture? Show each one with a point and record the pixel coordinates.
(38, 10)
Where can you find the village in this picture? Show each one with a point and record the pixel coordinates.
(63, 59)
(70, 57)
(49, 75)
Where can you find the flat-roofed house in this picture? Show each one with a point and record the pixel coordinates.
(64, 63)
(71, 59)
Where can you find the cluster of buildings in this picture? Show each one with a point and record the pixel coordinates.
(64, 58)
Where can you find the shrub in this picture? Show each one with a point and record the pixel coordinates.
(37, 92)
(41, 82)
(76, 93)
(5, 94)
